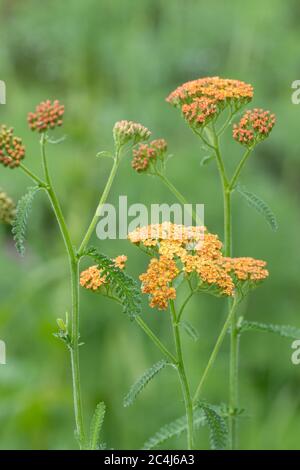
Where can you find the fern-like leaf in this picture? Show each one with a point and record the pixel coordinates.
(286, 331)
(96, 426)
(19, 225)
(190, 329)
(125, 287)
(218, 431)
(262, 207)
(175, 428)
(142, 381)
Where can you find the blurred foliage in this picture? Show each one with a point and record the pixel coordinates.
(110, 60)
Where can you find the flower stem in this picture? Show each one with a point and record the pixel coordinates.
(100, 205)
(215, 351)
(183, 379)
(180, 198)
(74, 268)
(155, 339)
(239, 168)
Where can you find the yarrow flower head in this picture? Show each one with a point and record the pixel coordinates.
(93, 278)
(179, 249)
(7, 208)
(47, 116)
(146, 154)
(12, 151)
(203, 99)
(254, 126)
(129, 131)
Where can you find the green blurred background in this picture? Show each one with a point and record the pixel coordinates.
(110, 60)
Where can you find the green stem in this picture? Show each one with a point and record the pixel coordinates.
(74, 271)
(102, 201)
(215, 351)
(183, 379)
(31, 175)
(180, 197)
(184, 305)
(239, 168)
(155, 339)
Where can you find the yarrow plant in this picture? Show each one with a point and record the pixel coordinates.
(190, 259)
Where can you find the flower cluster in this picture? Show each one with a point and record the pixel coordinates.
(156, 281)
(7, 208)
(254, 126)
(129, 131)
(201, 100)
(47, 116)
(12, 151)
(190, 250)
(147, 153)
(92, 277)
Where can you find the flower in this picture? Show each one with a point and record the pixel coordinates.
(203, 99)
(92, 277)
(129, 131)
(254, 126)
(12, 151)
(156, 281)
(246, 268)
(187, 250)
(47, 116)
(7, 208)
(146, 154)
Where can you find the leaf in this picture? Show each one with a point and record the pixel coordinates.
(175, 428)
(207, 159)
(218, 431)
(57, 141)
(19, 225)
(104, 154)
(190, 329)
(125, 287)
(261, 206)
(286, 331)
(96, 426)
(142, 381)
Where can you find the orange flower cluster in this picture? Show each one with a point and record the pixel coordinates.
(247, 268)
(92, 279)
(146, 153)
(12, 151)
(129, 131)
(7, 208)
(190, 250)
(155, 282)
(47, 115)
(254, 126)
(201, 100)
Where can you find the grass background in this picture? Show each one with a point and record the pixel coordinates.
(111, 60)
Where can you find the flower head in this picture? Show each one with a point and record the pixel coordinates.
(7, 208)
(146, 154)
(254, 126)
(47, 116)
(246, 268)
(129, 131)
(203, 99)
(12, 151)
(93, 277)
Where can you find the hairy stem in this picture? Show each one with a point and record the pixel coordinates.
(102, 201)
(73, 262)
(215, 351)
(183, 379)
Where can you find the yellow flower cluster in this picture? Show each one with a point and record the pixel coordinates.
(92, 279)
(187, 250)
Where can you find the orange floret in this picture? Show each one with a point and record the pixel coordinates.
(12, 151)
(47, 116)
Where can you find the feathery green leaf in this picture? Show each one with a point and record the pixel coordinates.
(125, 287)
(286, 331)
(19, 225)
(96, 426)
(262, 207)
(190, 329)
(142, 381)
(175, 428)
(218, 430)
